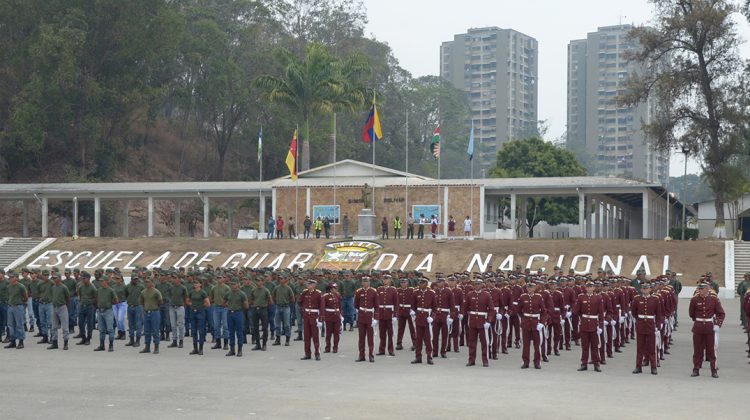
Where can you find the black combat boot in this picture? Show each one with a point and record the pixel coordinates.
(20, 345)
(11, 345)
(239, 350)
(195, 349)
(43, 341)
(179, 345)
(65, 345)
(156, 348)
(286, 343)
(53, 346)
(130, 343)
(299, 337)
(137, 342)
(200, 349)
(111, 346)
(146, 349)
(173, 345)
(101, 346)
(231, 352)
(226, 344)
(217, 345)
(277, 342)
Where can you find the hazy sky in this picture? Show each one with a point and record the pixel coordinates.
(415, 29)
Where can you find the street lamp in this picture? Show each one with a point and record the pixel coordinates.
(686, 151)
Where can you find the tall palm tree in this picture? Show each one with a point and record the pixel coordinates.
(318, 84)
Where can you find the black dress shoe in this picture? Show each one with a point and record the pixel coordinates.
(583, 368)
(361, 359)
(429, 362)
(597, 368)
(715, 374)
(485, 364)
(399, 347)
(537, 366)
(317, 357)
(524, 366)
(470, 364)
(380, 353)
(390, 353)
(637, 371)
(695, 373)
(372, 359)
(305, 358)
(416, 361)
(654, 372)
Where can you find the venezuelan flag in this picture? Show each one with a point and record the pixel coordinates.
(372, 130)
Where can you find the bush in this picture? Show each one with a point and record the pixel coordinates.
(690, 234)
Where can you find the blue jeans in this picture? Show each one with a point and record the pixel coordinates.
(219, 327)
(300, 319)
(4, 319)
(272, 318)
(86, 315)
(135, 321)
(165, 325)
(73, 312)
(236, 321)
(270, 233)
(283, 314)
(151, 323)
(15, 323)
(34, 315)
(347, 304)
(198, 325)
(30, 313)
(106, 320)
(121, 314)
(45, 318)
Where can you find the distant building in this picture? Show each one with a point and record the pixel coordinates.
(498, 69)
(608, 138)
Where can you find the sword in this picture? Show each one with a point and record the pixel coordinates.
(487, 341)
(716, 341)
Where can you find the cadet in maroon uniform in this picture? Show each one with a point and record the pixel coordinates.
(514, 321)
(458, 313)
(620, 308)
(496, 321)
(556, 314)
(332, 317)
(311, 305)
(605, 342)
(505, 306)
(444, 316)
(366, 302)
(590, 309)
(647, 311)
(404, 308)
(388, 303)
(478, 310)
(708, 316)
(533, 314)
(422, 309)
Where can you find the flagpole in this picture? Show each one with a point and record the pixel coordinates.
(471, 199)
(441, 214)
(374, 140)
(335, 180)
(296, 181)
(406, 170)
(260, 182)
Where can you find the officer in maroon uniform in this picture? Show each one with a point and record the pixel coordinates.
(589, 308)
(404, 308)
(332, 317)
(422, 309)
(366, 302)
(444, 315)
(478, 310)
(310, 302)
(458, 313)
(533, 314)
(388, 304)
(647, 311)
(708, 316)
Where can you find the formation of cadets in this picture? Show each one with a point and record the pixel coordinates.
(488, 313)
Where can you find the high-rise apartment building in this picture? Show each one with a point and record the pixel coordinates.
(497, 68)
(607, 137)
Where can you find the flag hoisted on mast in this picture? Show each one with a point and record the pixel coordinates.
(371, 133)
(435, 148)
(292, 162)
(470, 152)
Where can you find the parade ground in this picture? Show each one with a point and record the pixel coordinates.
(276, 384)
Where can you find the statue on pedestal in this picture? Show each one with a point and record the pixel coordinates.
(366, 196)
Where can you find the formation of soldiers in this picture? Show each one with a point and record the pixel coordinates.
(541, 314)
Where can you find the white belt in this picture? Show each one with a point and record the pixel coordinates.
(331, 310)
(515, 303)
(478, 313)
(387, 306)
(591, 316)
(446, 310)
(367, 309)
(646, 316)
(312, 310)
(458, 307)
(704, 319)
(405, 306)
(617, 306)
(424, 310)
(557, 309)
(531, 315)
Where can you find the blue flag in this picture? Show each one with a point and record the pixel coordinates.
(470, 149)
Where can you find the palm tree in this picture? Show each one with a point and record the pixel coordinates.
(319, 84)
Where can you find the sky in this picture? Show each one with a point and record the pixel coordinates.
(414, 29)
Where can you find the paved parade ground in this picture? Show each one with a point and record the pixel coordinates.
(79, 383)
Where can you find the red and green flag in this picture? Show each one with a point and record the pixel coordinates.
(435, 145)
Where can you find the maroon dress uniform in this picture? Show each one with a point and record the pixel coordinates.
(746, 308)
(556, 314)
(423, 305)
(578, 290)
(605, 344)
(497, 297)
(620, 307)
(458, 300)
(404, 307)
(569, 295)
(631, 293)
(515, 327)
(388, 304)
(648, 315)
(506, 297)
(366, 302)
(311, 306)
(478, 309)
(444, 310)
(590, 310)
(706, 312)
(532, 311)
(332, 317)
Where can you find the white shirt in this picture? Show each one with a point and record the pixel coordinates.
(467, 225)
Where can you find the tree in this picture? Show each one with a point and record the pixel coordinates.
(691, 69)
(533, 157)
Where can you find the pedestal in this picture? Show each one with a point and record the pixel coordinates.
(366, 227)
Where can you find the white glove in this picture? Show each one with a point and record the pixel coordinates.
(449, 320)
(622, 320)
(460, 317)
(716, 328)
(498, 316)
(568, 314)
(656, 332)
(486, 325)
(374, 323)
(606, 323)
(540, 327)
(319, 324)
(507, 316)
(429, 320)
(394, 320)
(567, 306)
(598, 331)
(412, 313)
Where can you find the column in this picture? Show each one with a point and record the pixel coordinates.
(596, 229)
(150, 217)
(445, 211)
(230, 215)
(125, 218)
(97, 217)
(480, 222)
(262, 221)
(25, 217)
(581, 214)
(513, 214)
(206, 216)
(612, 221)
(646, 216)
(45, 221)
(307, 204)
(75, 216)
(177, 217)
